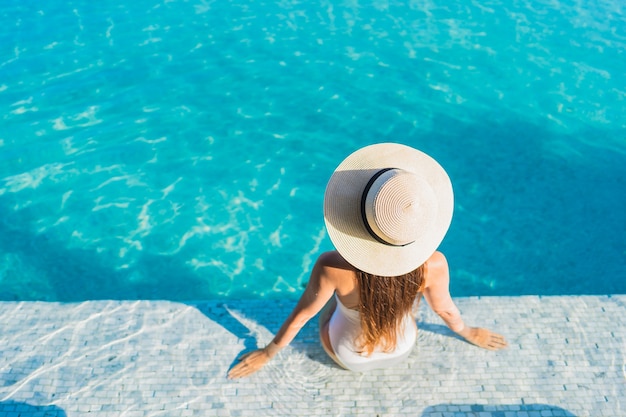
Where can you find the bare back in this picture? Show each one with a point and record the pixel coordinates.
(343, 277)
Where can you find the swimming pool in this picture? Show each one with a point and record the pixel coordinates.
(180, 150)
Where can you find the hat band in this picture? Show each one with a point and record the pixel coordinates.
(369, 229)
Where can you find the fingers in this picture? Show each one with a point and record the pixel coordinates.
(487, 339)
(248, 364)
(495, 342)
(498, 341)
(240, 370)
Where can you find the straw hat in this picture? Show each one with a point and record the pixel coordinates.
(387, 207)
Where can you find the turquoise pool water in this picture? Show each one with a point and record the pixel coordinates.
(180, 150)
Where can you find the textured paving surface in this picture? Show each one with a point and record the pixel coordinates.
(567, 357)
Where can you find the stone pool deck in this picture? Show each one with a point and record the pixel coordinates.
(567, 357)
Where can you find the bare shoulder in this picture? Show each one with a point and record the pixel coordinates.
(332, 266)
(333, 259)
(337, 272)
(437, 261)
(436, 267)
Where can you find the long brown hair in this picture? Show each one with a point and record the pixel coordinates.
(384, 302)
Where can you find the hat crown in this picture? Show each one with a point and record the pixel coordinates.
(398, 207)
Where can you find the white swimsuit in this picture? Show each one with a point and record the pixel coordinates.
(345, 327)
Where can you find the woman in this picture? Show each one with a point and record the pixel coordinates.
(387, 207)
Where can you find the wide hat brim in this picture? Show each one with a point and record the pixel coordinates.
(346, 227)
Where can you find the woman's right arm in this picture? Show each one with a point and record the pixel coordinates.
(437, 295)
(318, 291)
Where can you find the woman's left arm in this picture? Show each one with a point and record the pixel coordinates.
(318, 291)
(437, 294)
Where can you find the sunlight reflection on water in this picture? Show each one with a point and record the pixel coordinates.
(185, 148)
